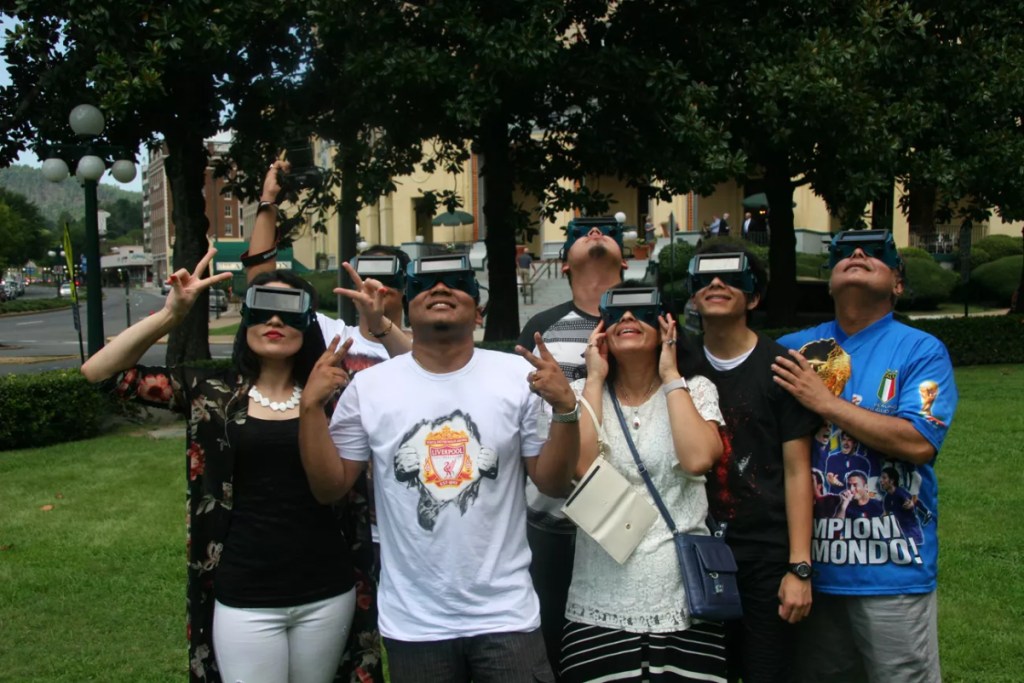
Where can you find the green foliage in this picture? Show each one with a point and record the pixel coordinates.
(979, 257)
(999, 246)
(995, 282)
(812, 266)
(23, 231)
(25, 305)
(674, 261)
(49, 407)
(324, 282)
(928, 285)
(914, 252)
(977, 340)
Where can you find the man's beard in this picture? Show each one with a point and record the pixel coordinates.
(597, 251)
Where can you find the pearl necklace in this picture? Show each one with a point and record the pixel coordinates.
(293, 402)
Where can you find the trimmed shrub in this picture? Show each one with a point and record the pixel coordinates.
(914, 252)
(999, 246)
(674, 260)
(809, 265)
(981, 340)
(48, 408)
(28, 305)
(996, 282)
(928, 285)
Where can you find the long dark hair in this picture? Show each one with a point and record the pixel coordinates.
(687, 358)
(246, 360)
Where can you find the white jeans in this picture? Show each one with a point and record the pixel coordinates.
(301, 644)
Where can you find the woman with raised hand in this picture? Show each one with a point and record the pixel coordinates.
(629, 621)
(270, 587)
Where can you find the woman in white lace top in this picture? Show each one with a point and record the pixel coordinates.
(629, 621)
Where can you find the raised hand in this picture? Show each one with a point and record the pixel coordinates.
(272, 181)
(595, 355)
(668, 367)
(186, 287)
(546, 379)
(368, 297)
(327, 377)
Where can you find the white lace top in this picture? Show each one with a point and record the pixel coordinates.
(644, 595)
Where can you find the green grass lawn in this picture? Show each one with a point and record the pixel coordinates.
(93, 589)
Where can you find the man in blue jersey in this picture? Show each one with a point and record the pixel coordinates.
(875, 614)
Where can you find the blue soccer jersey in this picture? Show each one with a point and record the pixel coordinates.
(892, 369)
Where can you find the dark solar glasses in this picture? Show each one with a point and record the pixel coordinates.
(877, 244)
(643, 302)
(292, 306)
(385, 269)
(581, 227)
(453, 271)
(732, 269)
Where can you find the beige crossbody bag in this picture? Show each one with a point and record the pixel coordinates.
(605, 506)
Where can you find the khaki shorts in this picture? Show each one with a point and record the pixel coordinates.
(874, 638)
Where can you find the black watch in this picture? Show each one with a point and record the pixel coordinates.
(802, 570)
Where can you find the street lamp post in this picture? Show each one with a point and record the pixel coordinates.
(91, 160)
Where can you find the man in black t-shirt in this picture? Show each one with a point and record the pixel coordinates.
(761, 490)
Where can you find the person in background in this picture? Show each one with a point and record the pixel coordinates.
(592, 261)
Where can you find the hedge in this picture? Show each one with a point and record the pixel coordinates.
(928, 285)
(995, 282)
(49, 407)
(979, 340)
(29, 305)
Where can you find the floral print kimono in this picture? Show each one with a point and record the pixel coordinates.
(211, 400)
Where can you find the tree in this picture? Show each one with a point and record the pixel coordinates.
(162, 73)
(23, 231)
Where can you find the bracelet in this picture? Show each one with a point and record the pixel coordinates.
(264, 205)
(571, 416)
(380, 335)
(675, 384)
(256, 259)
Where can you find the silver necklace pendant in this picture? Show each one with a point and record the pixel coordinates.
(636, 418)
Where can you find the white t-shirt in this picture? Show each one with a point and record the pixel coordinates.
(362, 354)
(447, 455)
(644, 595)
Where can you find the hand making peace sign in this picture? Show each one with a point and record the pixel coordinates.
(327, 377)
(186, 287)
(367, 295)
(547, 380)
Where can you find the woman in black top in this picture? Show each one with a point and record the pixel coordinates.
(271, 590)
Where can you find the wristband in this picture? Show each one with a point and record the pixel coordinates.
(257, 259)
(675, 384)
(381, 335)
(571, 416)
(262, 206)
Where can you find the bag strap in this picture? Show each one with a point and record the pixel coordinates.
(598, 427)
(640, 463)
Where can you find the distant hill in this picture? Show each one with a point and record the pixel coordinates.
(55, 198)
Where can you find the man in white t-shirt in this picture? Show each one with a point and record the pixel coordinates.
(451, 431)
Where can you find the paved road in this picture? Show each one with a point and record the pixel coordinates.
(46, 341)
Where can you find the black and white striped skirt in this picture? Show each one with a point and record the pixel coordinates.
(592, 654)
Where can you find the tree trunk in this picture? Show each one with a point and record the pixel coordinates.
(503, 306)
(782, 245)
(186, 173)
(347, 210)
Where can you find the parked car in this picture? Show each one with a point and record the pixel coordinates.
(218, 300)
(165, 287)
(65, 289)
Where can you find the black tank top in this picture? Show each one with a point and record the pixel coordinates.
(283, 548)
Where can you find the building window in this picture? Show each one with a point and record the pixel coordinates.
(227, 211)
(228, 229)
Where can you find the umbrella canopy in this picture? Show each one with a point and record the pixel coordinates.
(756, 201)
(453, 218)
